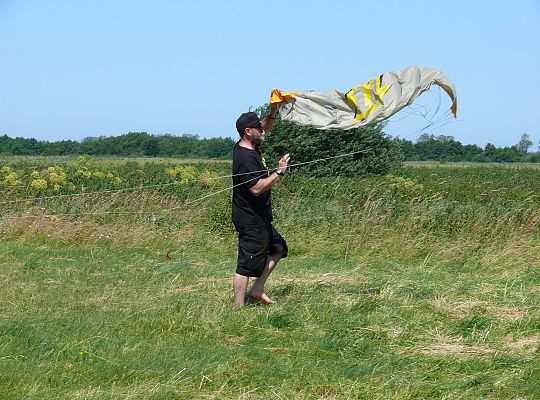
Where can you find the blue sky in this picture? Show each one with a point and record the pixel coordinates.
(72, 69)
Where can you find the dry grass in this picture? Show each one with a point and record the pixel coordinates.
(462, 309)
(456, 349)
(527, 344)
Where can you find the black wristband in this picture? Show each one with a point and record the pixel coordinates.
(271, 117)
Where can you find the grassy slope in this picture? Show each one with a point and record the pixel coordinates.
(373, 303)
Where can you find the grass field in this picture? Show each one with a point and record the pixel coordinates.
(421, 284)
(470, 164)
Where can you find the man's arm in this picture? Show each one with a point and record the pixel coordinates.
(268, 121)
(266, 183)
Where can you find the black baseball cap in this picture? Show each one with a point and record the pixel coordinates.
(247, 120)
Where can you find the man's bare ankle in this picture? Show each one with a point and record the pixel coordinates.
(238, 305)
(255, 295)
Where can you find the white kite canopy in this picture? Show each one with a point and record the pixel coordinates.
(365, 104)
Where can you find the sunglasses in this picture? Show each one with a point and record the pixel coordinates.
(259, 127)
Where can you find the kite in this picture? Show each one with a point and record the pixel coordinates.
(365, 104)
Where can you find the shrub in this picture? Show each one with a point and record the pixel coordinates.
(377, 154)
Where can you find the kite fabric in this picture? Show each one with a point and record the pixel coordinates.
(365, 104)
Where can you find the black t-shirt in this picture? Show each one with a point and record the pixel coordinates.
(247, 209)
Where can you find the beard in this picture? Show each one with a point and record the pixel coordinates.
(257, 140)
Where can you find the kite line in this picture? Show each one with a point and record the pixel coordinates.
(263, 171)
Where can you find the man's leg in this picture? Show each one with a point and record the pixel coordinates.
(240, 283)
(257, 291)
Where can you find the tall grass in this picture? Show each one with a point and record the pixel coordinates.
(421, 284)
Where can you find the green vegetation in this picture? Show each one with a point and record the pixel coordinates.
(374, 152)
(423, 283)
(446, 149)
(130, 144)
(383, 153)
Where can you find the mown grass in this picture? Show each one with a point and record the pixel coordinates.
(424, 284)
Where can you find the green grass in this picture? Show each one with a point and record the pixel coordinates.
(99, 320)
(422, 287)
(467, 164)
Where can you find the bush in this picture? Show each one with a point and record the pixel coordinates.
(304, 144)
(533, 158)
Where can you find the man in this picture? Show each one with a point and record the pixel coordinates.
(260, 246)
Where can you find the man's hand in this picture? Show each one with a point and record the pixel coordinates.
(265, 184)
(283, 161)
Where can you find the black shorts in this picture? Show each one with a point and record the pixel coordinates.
(255, 243)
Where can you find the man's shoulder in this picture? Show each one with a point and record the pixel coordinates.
(240, 152)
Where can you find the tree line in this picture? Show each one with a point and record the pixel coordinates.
(447, 149)
(426, 148)
(130, 144)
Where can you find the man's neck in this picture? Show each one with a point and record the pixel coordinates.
(247, 144)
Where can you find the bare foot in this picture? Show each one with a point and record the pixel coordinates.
(262, 297)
